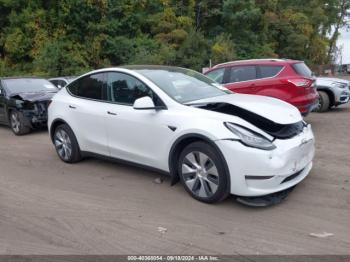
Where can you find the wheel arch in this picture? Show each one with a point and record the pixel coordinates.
(57, 122)
(329, 93)
(180, 143)
(8, 112)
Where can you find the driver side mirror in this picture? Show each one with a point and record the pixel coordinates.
(1, 92)
(145, 103)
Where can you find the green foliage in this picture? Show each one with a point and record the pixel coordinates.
(72, 36)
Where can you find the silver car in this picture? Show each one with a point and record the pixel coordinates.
(332, 92)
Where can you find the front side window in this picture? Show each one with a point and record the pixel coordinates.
(269, 71)
(242, 73)
(91, 87)
(62, 83)
(55, 82)
(125, 89)
(217, 75)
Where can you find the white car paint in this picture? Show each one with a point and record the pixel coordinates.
(144, 137)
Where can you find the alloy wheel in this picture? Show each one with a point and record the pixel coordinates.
(63, 144)
(15, 122)
(200, 174)
(319, 104)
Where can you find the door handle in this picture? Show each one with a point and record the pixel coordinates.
(72, 107)
(111, 113)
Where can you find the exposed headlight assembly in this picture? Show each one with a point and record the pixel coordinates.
(250, 138)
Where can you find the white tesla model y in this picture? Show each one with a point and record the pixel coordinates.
(180, 122)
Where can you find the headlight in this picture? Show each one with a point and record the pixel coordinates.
(339, 85)
(250, 138)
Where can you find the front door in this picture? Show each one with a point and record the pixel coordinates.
(136, 135)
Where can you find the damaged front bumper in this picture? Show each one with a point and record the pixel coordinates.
(268, 171)
(36, 117)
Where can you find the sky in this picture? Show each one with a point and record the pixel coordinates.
(344, 40)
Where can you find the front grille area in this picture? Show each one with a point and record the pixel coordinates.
(286, 131)
(291, 177)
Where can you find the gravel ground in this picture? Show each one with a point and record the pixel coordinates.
(98, 207)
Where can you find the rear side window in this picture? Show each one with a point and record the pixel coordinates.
(302, 69)
(242, 73)
(217, 75)
(55, 82)
(62, 83)
(91, 87)
(269, 71)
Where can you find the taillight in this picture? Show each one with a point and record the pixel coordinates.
(300, 82)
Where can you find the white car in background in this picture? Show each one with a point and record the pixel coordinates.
(61, 82)
(182, 123)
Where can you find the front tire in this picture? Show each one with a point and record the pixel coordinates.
(202, 173)
(323, 102)
(66, 144)
(17, 124)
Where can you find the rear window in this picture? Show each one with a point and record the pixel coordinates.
(302, 69)
(269, 71)
(91, 87)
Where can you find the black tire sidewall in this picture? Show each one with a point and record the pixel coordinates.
(324, 102)
(223, 188)
(76, 155)
(23, 129)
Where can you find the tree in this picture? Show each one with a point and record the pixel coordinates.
(72, 36)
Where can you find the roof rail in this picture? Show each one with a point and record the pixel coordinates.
(248, 60)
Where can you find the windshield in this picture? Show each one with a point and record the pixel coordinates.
(183, 85)
(28, 85)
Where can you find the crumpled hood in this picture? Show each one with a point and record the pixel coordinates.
(270, 108)
(33, 97)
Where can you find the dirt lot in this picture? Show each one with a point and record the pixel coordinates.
(97, 207)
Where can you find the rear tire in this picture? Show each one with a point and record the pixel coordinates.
(202, 173)
(66, 144)
(17, 124)
(323, 102)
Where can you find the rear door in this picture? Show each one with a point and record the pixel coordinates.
(87, 112)
(269, 83)
(242, 79)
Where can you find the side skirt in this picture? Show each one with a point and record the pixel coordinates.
(124, 162)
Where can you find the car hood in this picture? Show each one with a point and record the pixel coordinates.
(33, 96)
(269, 108)
(331, 79)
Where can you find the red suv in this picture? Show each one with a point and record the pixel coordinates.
(288, 80)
